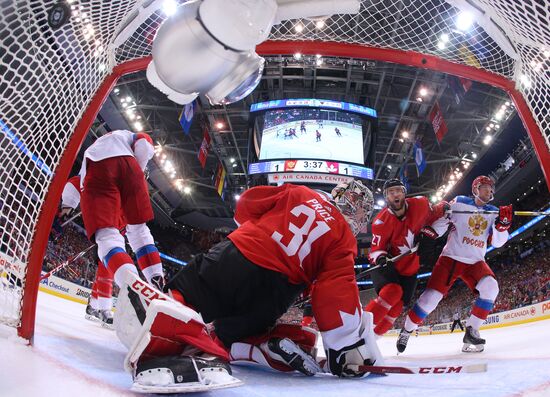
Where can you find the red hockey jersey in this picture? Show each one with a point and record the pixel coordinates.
(393, 236)
(293, 230)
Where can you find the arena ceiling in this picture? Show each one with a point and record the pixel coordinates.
(402, 96)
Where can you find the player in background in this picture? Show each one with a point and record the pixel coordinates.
(113, 186)
(394, 231)
(337, 130)
(289, 237)
(464, 257)
(303, 127)
(307, 317)
(317, 136)
(456, 322)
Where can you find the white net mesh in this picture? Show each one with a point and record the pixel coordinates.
(48, 78)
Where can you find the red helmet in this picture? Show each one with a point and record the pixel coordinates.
(482, 180)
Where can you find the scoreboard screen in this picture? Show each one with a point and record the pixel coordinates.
(316, 166)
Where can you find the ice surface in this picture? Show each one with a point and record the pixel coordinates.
(75, 357)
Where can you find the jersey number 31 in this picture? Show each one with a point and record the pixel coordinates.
(297, 243)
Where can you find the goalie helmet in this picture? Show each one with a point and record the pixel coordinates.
(355, 202)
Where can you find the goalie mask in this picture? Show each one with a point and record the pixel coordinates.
(355, 202)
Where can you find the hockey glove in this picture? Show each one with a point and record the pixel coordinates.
(340, 362)
(440, 209)
(504, 220)
(382, 261)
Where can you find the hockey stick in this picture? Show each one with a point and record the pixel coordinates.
(365, 272)
(67, 262)
(390, 260)
(72, 218)
(436, 370)
(518, 213)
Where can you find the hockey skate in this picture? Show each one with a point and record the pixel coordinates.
(402, 340)
(473, 343)
(158, 282)
(285, 350)
(91, 313)
(106, 318)
(182, 374)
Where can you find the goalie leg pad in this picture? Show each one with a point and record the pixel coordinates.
(181, 374)
(152, 324)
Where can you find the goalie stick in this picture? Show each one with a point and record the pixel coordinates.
(420, 370)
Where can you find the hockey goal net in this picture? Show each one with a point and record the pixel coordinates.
(53, 82)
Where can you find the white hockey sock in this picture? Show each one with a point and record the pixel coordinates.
(410, 326)
(474, 322)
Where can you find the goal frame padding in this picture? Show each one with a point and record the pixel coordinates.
(408, 58)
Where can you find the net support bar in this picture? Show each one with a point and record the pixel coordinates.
(49, 208)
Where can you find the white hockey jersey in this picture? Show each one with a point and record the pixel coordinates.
(470, 233)
(119, 143)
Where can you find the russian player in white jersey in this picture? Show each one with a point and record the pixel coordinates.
(464, 257)
(114, 186)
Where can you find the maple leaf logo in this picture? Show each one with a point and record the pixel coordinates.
(409, 242)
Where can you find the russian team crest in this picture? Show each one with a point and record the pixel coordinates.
(477, 225)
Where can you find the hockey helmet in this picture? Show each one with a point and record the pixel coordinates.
(355, 201)
(392, 183)
(482, 180)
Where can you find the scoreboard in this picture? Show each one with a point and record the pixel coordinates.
(316, 166)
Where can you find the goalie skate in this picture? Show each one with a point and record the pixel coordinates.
(182, 374)
(473, 343)
(285, 350)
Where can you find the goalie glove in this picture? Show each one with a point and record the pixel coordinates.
(345, 361)
(339, 360)
(504, 220)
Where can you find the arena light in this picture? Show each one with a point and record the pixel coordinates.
(299, 28)
(474, 155)
(444, 38)
(487, 140)
(320, 24)
(138, 126)
(297, 56)
(524, 80)
(464, 21)
(423, 92)
(187, 190)
(169, 7)
(232, 160)
(405, 134)
(380, 202)
(219, 125)
(237, 197)
(319, 61)
(433, 198)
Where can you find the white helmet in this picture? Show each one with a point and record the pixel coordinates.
(355, 202)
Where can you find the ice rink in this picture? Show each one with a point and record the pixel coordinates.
(348, 147)
(75, 357)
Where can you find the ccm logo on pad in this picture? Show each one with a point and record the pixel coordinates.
(145, 290)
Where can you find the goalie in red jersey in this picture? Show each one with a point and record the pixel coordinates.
(289, 238)
(395, 231)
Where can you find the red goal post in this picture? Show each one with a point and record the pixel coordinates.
(53, 83)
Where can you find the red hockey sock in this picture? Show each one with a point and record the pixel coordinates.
(386, 323)
(389, 295)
